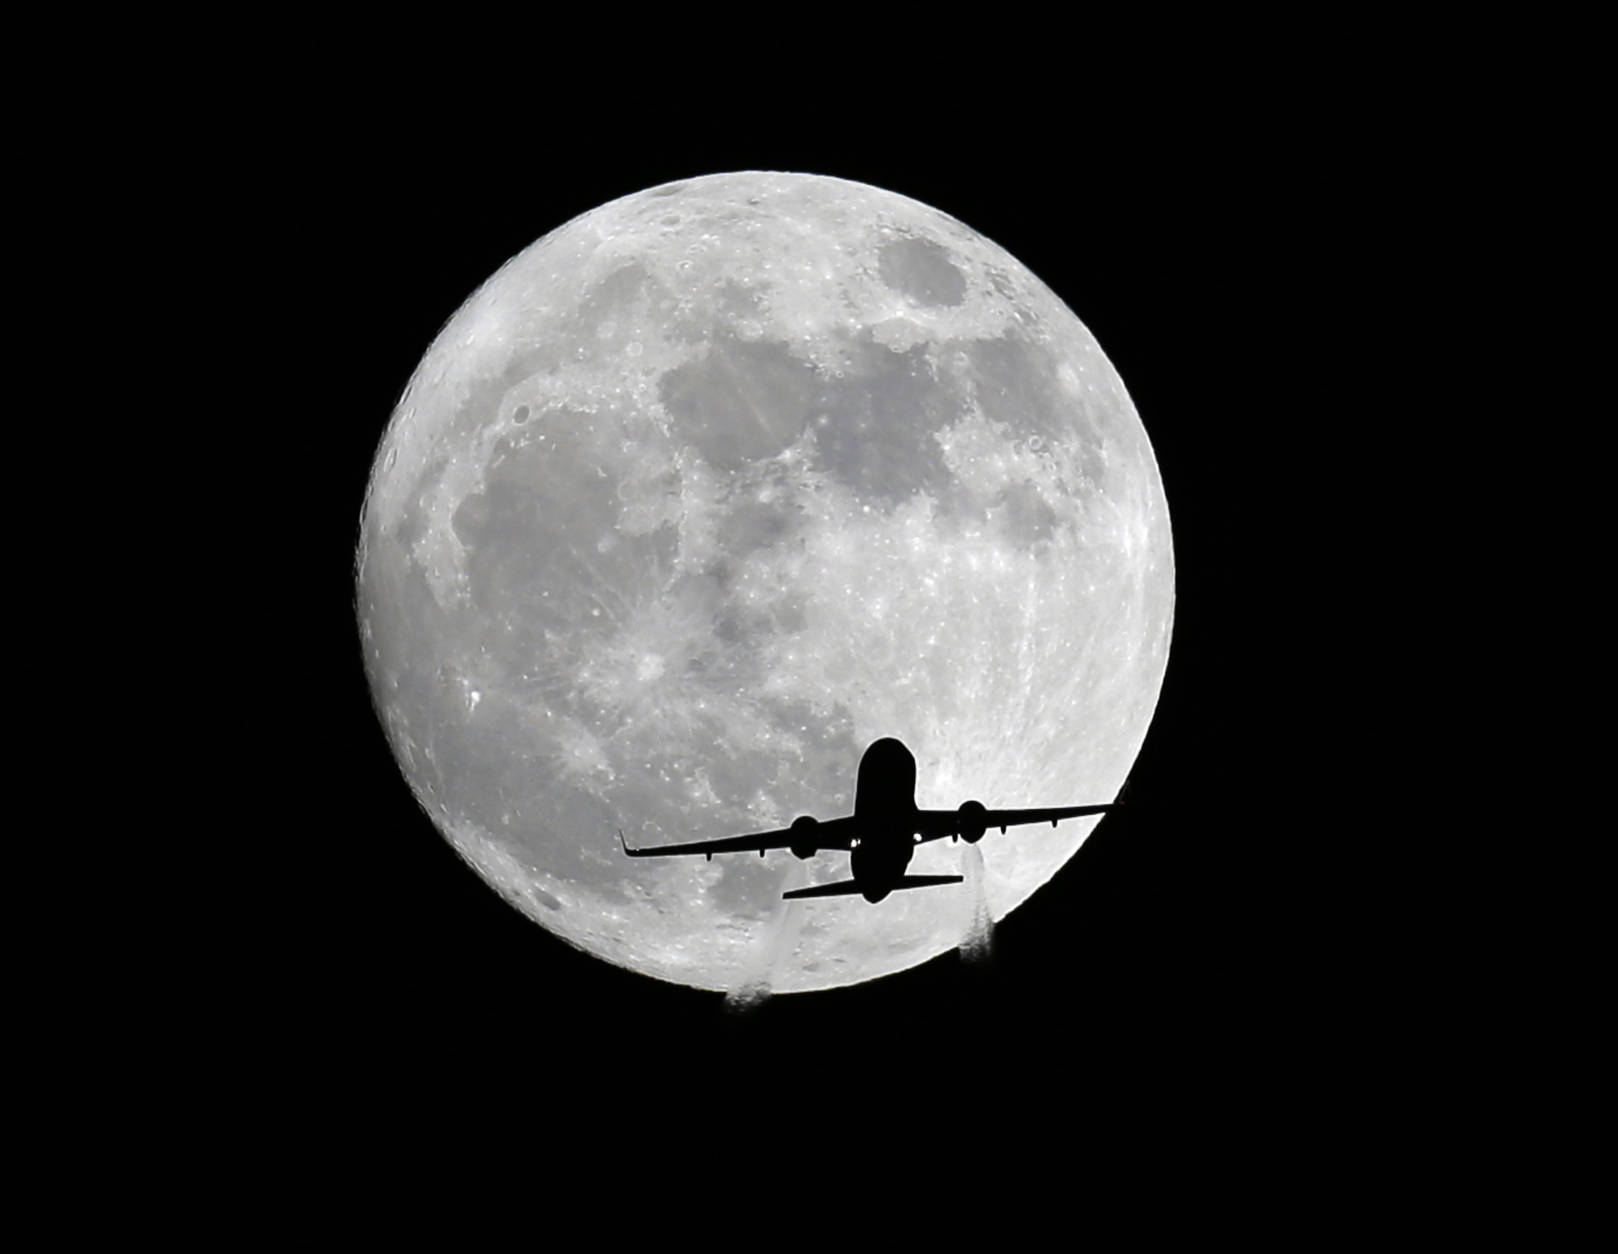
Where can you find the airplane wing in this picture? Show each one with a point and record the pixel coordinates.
(970, 818)
(832, 834)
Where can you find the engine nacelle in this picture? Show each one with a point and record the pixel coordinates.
(803, 836)
(971, 821)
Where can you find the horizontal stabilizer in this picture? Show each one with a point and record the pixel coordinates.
(851, 888)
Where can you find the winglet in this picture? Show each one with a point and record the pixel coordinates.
(631, 852)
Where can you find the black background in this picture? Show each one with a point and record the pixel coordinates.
(1204, 946)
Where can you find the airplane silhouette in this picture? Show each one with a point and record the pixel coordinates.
(882, 833)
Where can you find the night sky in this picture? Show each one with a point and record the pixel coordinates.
(1195, 940)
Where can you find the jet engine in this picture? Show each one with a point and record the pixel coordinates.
(970, 821)
(803, 836)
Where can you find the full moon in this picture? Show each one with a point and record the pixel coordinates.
(705, 491)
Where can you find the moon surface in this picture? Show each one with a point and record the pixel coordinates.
(706, 490)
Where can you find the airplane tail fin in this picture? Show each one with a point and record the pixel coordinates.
(851, 888)
(927, 881)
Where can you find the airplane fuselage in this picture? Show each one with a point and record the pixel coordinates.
(885, 818)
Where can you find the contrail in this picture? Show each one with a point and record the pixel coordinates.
(979, 939)
(774, 945)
